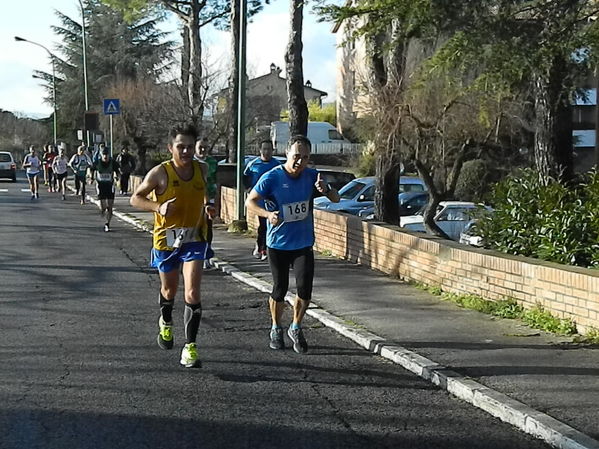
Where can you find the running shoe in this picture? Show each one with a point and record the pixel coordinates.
(64, 197)
(106, 228)
(299, 342)
(189, 356)
(256, 252)
(82, 201)
(276, 338)
(37, 195)
(165, 335)
(263, 255)
(32, 197)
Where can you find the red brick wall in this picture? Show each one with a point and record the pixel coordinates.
(567, 292)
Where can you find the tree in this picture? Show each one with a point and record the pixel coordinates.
(194, 15)
(117, 51)
(298, 109)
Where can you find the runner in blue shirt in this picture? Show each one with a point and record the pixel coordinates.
(252, 173)
(288, 192)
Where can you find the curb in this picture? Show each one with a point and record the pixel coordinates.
(499, 405)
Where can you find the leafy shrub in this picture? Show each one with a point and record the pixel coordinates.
(472, 182)
(546, 220)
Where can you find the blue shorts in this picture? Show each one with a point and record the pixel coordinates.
(167, 260)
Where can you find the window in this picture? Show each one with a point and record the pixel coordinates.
(411, 188)
(334, 135)
(4, 157)
(351, 190)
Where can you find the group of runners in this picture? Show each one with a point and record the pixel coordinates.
(179, 192)
(100, 168)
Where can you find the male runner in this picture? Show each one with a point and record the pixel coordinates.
(59, 168)
(180, 205)
(289, 191)
(104, 171)
(252, 173)
(79, 163)
(209, 167)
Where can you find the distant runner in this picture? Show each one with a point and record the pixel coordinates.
(288, 192)
(252, 173)
(59, 168)
(104, 171)
(33, 165)
(80, 163)
(180, 205)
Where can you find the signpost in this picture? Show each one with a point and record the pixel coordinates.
(112, 106)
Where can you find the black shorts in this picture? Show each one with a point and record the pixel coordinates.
(303, 266)
(105, 190)
(61, 176)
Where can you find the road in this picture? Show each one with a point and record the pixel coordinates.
(81, 369)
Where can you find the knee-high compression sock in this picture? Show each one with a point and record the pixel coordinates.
(191, 319)
(166, 308)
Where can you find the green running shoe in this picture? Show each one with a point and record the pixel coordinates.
(189, 356)
(165, 336)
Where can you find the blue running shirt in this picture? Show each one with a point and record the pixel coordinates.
(293, 198)
(257, 167)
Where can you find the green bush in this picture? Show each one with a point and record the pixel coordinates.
(546, 220)
(472, 183)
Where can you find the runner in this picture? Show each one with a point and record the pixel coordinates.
(104, 171)
(59, 167)
(209, 166)
(127, 163)
(289, 191)
(48, 158)
(79, 163)
(177, 187)
(33, 165)
(44, 166)
(252, 173)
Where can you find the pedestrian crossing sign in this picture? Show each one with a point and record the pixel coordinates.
(112, 106)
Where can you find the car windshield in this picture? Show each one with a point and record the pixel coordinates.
(4, 157)
(411, 188)
(351, 190)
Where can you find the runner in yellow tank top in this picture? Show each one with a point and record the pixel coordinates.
(179, 201)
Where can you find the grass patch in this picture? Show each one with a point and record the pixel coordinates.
(536, 318)
(327, 252)
(590, 338)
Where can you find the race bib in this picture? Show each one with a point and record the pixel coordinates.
(175, 237)
(105, 177)
(295, 211)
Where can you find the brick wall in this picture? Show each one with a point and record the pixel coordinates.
(567, 292)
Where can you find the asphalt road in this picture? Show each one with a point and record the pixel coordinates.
(81, 369)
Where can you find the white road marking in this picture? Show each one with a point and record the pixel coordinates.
(25, 190)
(3, 190)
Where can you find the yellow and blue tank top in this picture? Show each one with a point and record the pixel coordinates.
(188, 223)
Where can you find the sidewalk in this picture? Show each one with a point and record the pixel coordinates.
(539, 382)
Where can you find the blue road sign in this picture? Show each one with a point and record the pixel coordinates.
(112, 106)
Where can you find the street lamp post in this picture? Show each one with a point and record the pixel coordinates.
(20, 39)
(84, 63)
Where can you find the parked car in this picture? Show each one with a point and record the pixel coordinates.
(354, 196)
(409, 204)
(451, 217)
(469, 236)
(358, 195)
(336, 178)
(8, 167)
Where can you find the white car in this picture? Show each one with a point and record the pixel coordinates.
(451, 217)
(469, 235)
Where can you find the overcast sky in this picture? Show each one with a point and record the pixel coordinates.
(267, 39)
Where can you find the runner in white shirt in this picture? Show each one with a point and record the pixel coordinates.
(59, 167)
(33, 165)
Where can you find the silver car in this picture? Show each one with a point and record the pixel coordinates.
(8, 167)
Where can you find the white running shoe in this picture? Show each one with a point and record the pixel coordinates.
(189, 356)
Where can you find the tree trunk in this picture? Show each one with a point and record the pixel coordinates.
(195, 65)
(298, 109)
(553, 125)
(233, 99)
(387, 186)
(185, 63)
(435, 197)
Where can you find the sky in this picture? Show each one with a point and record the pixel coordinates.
(267, 40)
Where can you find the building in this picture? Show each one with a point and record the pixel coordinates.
(267, 97)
